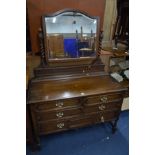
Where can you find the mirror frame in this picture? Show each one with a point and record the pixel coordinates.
(59, 60)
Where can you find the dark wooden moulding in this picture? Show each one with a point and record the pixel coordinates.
(68, 94)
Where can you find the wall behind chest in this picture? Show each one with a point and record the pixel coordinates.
(40, 7)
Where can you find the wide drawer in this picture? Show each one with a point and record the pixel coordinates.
(79, 121)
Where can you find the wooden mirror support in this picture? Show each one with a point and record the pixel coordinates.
(42, 50)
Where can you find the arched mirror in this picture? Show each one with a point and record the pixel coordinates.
(70, 34)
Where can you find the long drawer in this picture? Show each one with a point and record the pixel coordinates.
(79, 121)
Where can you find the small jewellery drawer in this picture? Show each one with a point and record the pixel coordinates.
(59, 104)
(52, 126)
(57, 114)
(103, 98)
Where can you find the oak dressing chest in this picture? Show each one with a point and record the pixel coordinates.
(70, 88)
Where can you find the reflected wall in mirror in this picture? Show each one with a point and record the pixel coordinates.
(70, 34)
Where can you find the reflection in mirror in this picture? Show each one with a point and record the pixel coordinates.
(71, 35)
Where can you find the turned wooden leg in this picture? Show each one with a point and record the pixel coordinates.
(114, 128)
(114, 125)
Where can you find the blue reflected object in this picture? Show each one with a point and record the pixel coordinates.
(70, 47)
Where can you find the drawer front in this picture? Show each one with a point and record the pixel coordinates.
(107, 116)
(93, 119)
(81, 121)
(103, 98)
(59, 114)
(52, 126)
(56, 105)
(111, 106)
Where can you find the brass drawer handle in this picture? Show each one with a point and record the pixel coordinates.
(102, 119)
(60, 114)
(60, 125)
(104, 99)
(59, 104)
(101, 107)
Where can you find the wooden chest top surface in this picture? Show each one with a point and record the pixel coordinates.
(57, 89)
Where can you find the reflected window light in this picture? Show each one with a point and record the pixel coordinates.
(66, 95)
(94, 21)
(46, 97)
(54, 20)
(82, 93)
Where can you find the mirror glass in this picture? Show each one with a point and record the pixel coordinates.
(70, 35)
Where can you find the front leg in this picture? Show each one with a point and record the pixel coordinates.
(114, 125)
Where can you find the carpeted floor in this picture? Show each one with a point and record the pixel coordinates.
(94, 140)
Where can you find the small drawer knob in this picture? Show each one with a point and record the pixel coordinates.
(60, 125)
(101, 107)
(104, 99)
(60, 114)
(59, 104)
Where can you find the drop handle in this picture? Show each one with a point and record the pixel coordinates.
(104, 99)
(60, 114)
(101, 107)
(59, 104)
(60, 125)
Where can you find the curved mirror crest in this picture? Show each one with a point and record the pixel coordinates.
(70, 35)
